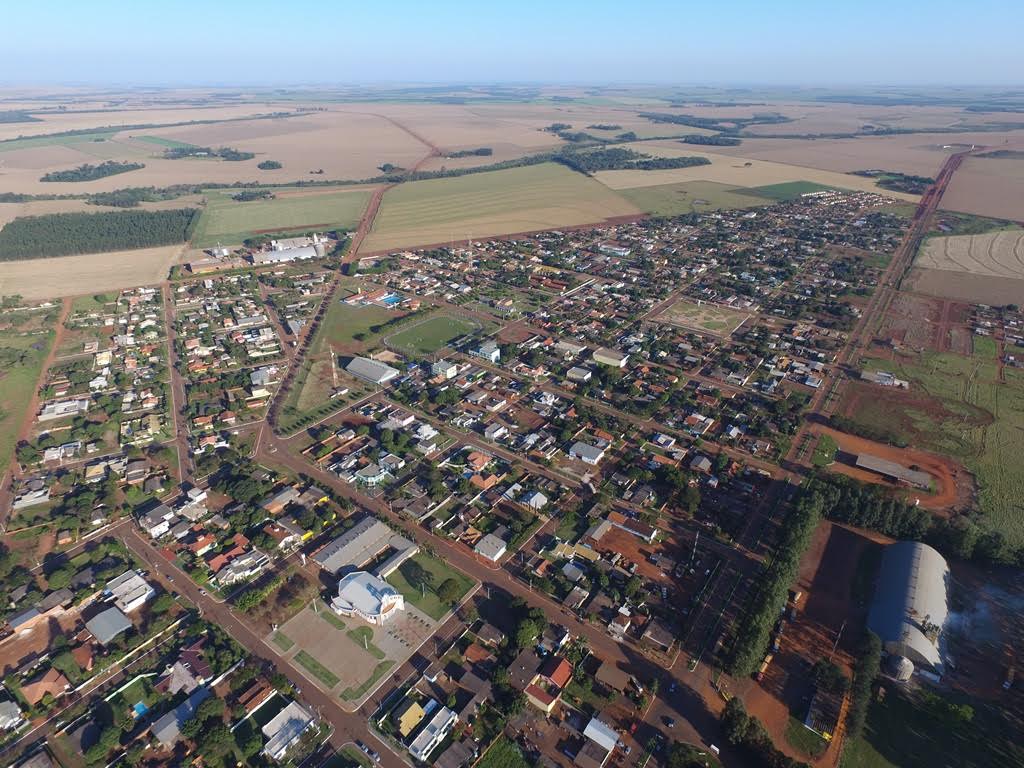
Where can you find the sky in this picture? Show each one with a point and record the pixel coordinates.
(790, 42)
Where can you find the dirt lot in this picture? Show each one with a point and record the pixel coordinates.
(87, 273)
(923, 322)
(19, 649)
(953, 482)
(988, 187)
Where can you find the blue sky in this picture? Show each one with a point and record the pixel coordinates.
(307, 41)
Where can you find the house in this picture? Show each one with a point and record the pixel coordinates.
(167, 730)
(488, 351)
(491, 547)
(535, 500)
(189, 671)
(52, 683)
(107, 625)
(610, 357)
(433, 733)
(157, 521)
(285, 729)
(130, 591)
(601, 740)
(276, 503)
(610, 676)
(10, 715)
(545, 690)
(407, 716)
(496, 431)
(658, 634)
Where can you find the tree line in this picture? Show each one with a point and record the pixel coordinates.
(478, 152)
(88, 172)
(63, 234)
(224, 153)
(711, 141)
(618, 158)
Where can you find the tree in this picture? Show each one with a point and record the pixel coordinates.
(527, 633)
(632, 586)
(449, 591)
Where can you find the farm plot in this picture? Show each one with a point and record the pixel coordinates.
(690, 197)
(704, 318)
(228, 221)
(986, 268)
(988, 187)
(494, 203)
(431, 334)
(958, 407)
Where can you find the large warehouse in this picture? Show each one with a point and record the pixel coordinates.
(911, 603)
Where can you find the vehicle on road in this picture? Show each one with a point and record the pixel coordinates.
(670, 722)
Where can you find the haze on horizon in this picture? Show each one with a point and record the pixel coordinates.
(311, 41)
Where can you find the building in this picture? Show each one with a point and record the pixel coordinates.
(587, 453)
(245, 566)
(407, 716)
(579, 375)
(371, 371)
(610, 357)
(489, 351)
(638, 528)
(108, 624)
(362, 543)
(52, 683)
(911, 603)
(894, 472)
(285, 729)
(601, 740)
(130, 591)
(167, 730)
(10, 715)
(610, 676)
(491, 547)
(59, 409)
(446, 369)
(280, 253)
(545, 690)
(433, 733)
(367, 597)
(884, 379)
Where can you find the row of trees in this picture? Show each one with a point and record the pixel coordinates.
(478, 152)
(224, 153)
(711, 141)
(618, 158)
(749, 735)
(89, 172)
(62, 234)
(864, 673)
(753, 632)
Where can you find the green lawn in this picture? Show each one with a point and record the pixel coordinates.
(348, 757)
(343, 322)
(430, 335)
(689, 197)
(503, 753)
(418, 578)
(824, 452)
(331, 618)
(363, 637)
(316, 669)
(807, 741)
(353, 694)
(525, 199)
(900, 733)
(140, 690)
(985, 346)
(229, 222)
(788, 190)
(21, 361)
(968, 396)
(282, 641)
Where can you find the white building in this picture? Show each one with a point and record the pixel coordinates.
(371, 370)
(286, 728)
(130, 591)
(367, 597)
(433, 733)
(588, 454)
(492, 547)
(610, 357)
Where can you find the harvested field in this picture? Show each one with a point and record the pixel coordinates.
(704, 318)
(690, 197)
(951, 480)
(495, 203)
(999, 254)
(988, 187)
(230, 222)
(88, 273)
(963, 286)
(733, 171)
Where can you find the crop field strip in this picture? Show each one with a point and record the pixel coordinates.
(999, 254)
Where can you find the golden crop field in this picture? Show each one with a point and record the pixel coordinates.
(504, 202)
(988, 187)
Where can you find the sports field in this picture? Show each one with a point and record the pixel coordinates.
(524, 199)
(431, 334)
(690, 197)
(229, 222)
(706, 318)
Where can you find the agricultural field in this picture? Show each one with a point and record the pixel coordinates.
(690, 197)
(979, 268)
(87, 273)
(432, 334)
(21, 361)
(503, 202)
(229, 222)
(705, 318)
(734, 172)
(988, 187)
(958, 407)
(789, 190)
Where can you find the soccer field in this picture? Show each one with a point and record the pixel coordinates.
(526, 199)
(229, 222)
(431, 334)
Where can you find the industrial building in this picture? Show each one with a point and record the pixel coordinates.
(911, 603)
(371, 370)
(367, 597)
(364, 542)
(897, 473)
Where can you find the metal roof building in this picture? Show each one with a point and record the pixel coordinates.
(371, 370)
(911, 602)
(107, 625)
(362, 543)
(894, 471)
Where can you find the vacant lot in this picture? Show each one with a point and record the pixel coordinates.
(690, 197)
(706, 318)
(958, 407)
(21, 360)
(732, 171)
(87, 273)
(230, 222)
(988, 187)
(494, 203)
(430, 335)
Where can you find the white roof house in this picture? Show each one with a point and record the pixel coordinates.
(367, 597)
(433, 733)
(130, 591)
(603, 734)
(492, 547)
(286, 727)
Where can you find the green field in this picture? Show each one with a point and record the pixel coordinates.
(503, 753)
(824, 451)
(30, 142)
(525, 199)
(900, 733)
(316, 669)
(343, 322)
(21, 361)
(429, 335)
(967, 396)
(690, 197)
(805, 740)
(985, 346)
(710, 318)
(160, 141)
(789, 190)
(418, 578)
(229, 222)
(282, 641)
